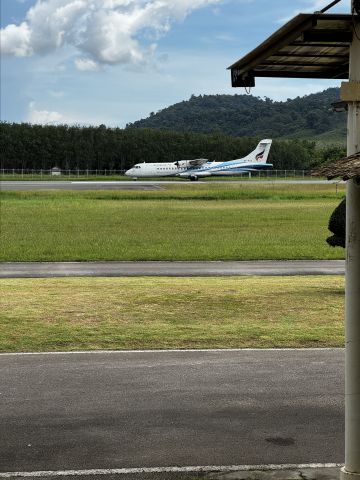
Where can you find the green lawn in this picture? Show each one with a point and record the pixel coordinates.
(182, 222)
(152, 313)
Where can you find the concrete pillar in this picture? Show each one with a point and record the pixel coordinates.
(352, 295)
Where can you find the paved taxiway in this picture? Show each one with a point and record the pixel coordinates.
(171, 269)
(143, 409)
(60, 185)
(135, 185)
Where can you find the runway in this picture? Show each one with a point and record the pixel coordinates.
(81, 411)
(80, 185)
(171, 269)
(139, 185)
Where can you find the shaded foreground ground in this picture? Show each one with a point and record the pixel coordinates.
(152, 313)
(160, 409)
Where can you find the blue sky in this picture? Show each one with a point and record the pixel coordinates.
(115, 61)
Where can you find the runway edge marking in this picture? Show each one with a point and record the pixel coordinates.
(190, 469)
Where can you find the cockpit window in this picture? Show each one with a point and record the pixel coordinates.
(137, 166)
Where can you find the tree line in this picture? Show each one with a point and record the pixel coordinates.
(28, 146)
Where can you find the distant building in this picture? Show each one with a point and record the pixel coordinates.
(55, 171)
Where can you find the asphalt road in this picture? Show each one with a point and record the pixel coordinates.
(143, 409)
(133, 185)
(173, 269)
(81, 185)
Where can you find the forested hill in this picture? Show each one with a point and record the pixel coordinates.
(309, 117)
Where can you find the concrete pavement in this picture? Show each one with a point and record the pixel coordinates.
(173, 269)
(111, 410)
(80, 185)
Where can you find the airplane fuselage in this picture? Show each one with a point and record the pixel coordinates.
(198, 168)
(206, 170)
(157, 169)
(234, 167)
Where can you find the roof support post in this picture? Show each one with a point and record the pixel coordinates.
(352, 294)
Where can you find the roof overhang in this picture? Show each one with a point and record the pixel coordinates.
(345, 168)
(308, 46)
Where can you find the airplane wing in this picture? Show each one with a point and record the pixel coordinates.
(197, 162)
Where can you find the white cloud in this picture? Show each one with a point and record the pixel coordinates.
(86, 65)
(15, 40)
(43, 116)
(106, 31)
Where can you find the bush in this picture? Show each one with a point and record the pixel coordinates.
(337, 225)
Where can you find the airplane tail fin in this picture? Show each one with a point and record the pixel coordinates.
(261, 152)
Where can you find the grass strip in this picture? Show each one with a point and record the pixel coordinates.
(205, 222)
(151, 313)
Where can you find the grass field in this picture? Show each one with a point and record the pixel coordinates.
(206, 222)
(152, 313)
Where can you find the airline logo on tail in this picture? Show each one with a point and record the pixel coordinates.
(259, 156)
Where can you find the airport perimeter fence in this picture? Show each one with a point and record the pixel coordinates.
(56, 173)
(30, 174)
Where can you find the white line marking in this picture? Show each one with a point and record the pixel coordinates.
(202, 350)
(207, 468)
(102, 182)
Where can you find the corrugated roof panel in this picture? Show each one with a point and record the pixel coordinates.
(309, 46)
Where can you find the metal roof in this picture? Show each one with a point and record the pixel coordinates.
(308, 46)
(345, 168)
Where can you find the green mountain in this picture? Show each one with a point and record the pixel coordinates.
(309, 117)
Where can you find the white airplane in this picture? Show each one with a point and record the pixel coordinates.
(201, 167)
